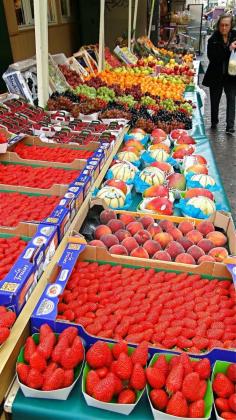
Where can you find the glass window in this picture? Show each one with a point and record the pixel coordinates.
(25, 12)
(65, 9)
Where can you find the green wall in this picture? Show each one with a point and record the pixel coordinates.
(5, 47)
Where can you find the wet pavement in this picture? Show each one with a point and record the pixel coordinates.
(224, 146)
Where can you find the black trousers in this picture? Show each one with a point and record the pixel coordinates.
(215, 96)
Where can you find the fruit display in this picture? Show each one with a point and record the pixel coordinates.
(179, 311)
(56, 154)
(115, 373)
(16, 207)
(35, 177)
(179, 386)
(49, 362)
(7, 319)
(223, 385)
(10, 249)
(145, 237)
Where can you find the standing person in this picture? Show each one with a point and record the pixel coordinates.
(219, 48)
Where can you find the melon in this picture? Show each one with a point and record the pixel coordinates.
(112, 196)
(123, 171)
(203, 180)
(159, 154)
(128, 156)
(152, 176)
(206, 205)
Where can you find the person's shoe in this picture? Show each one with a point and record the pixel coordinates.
(230, 131)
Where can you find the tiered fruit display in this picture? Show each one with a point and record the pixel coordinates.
(163, 240)
(16, 208)
(180, 386)
(224, 391)
(50, 362)
(35, 177)
(116, 374)
(10, 249)
(72, 77)
(111, 59)
(171, 310)
(7, 319)
(50, 154)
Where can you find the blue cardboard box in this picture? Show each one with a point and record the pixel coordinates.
(60, 218)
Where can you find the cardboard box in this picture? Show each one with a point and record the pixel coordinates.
(219, 367)
(19, 283)
(222, 221)
(61, 217)
(46, 308)
(84, 180)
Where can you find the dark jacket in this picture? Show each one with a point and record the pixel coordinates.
(218, 55)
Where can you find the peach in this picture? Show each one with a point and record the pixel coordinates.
(118, 249)
(121, 185)
(154, 228)
(126, 218)
(107, 215)
(146, 221)
(121, 234)
(185, 259)
(205, 227)
(217, 238)
(163, 238)
(139, 252)
(156, 190)
(129, 244)
(97, 243)
(115, 224)
(219, 253)
(142, 236)
(185, 242)
(207, 258)
(196, 252)
(195, 192)
(206, 245)
(166, 225)
(162, 256)
(198, 169)
(151, 247)
(174, 248)
(185, 227)
(109, 240)
(175, 233)
(194, 235)
(101, 230)
(134, 227)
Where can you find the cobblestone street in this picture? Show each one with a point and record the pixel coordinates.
(224, 147)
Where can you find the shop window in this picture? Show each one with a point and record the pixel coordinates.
(65, 10)
(25, 13)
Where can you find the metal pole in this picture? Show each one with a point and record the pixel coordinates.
(135, 18)
(101, 35)
(151, 17)
(129, 24)
(41, 44)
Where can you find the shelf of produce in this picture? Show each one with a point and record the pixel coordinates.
(21, 328)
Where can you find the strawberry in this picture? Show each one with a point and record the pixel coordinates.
(231, 372)
(4, 334)
(51, 367)
(177, 405)
(120, 347)
(7, 319)
(123, 367)
(222, 386)
(169, 342)
(74, 355)
(102, 372)
(191, 383)
(99, 355)
(37, 361)
(183, 343)
(118, 385)
(91, 380)
(127, 396)
(23, 372)
(232, 402)
(30, 348)
(200, 342)
(186, 362)
(159, 398)
(105, 388)
(222, 404)
(196, 409)
(174, 380)
(46, 345)
(229, 415)
(59, 349)
(203, 368)
(55, 381)
(35, 379)
(162, 365)
(202, 389)
(70, 333)
(138, 378)
(44, 330)
(140, 354)
(155, 377)
(68, 378)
